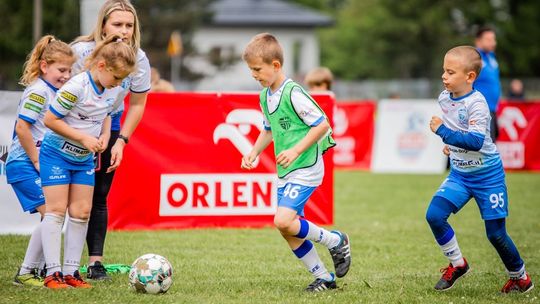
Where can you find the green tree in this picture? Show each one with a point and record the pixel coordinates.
(60, 18)
(159, 19)
(407, 39)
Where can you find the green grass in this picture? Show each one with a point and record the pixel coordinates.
(395, 258)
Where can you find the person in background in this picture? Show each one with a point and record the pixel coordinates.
(159, 84)
(319, 79)
(488, 82)
(516, 92)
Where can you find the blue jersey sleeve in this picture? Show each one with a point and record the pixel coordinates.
(471, 141)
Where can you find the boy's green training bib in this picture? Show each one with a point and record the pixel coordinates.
(288, 129)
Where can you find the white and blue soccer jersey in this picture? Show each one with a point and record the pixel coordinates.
(83, 107)
(312, 116)
(32, 108)
(476, 167)
(136, 82)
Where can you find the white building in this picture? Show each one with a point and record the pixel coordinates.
(232, 26)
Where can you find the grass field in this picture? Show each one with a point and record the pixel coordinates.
(395, 258)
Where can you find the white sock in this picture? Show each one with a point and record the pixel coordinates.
(51, 237)
(452, 252)
(312, 232)
(520, 274)
(308, 255)
(34, 252)
(74, 244)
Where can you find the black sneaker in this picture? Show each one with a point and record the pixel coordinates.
(341, 255)
(97, 272)
(322, 285)
(450, 276)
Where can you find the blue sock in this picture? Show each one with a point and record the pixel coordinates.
(496, 233)
(308, 255)
(437, 217)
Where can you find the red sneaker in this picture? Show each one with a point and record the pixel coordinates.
(518, 285)
(76, 281)
(450, 276)
(55, 281)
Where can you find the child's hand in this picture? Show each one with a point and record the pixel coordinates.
(446, 150)
(91, 143)
(103, 141)
(435, 123)
(286, 158)
(247, 161)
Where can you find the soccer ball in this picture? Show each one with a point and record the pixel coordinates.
(151, 273)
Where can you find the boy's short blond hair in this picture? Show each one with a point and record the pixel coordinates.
(264, 46)
(471, 58)
(319, 76)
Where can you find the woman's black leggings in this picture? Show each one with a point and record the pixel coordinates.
(97, 225)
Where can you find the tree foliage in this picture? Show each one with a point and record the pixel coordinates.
(407, 39)
(60, 18)
(159, 19)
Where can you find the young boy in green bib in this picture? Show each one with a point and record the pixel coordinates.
(301, 134)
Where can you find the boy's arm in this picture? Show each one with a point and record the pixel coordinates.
(287, 157)
(263, 140)
(471, 140)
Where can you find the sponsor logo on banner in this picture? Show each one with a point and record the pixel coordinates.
(412, 142)
(217, 194)
(512, 152)
(510, 118)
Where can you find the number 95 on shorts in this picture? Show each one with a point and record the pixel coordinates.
(294, 196)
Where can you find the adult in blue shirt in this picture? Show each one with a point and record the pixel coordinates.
(488, 82)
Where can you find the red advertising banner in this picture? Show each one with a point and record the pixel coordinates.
(181, 168)
(354, 124)
(519, 134)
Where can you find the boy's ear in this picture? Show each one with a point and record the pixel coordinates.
(471, 76)
(276, 64)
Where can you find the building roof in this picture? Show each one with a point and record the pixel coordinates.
(275, 13)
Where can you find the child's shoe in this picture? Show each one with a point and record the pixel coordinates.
(450, 276)
(518, 285)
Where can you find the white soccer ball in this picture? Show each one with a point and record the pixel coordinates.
(151, 273)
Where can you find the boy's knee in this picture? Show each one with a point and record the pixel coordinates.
(282, 224)
(496, 237)
(433, 218)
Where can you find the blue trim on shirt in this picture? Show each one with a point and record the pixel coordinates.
(94, 84)
(464, 96)
(471, 141)
(56, 113)
(27, 119)
(49, 84)
(317, 122)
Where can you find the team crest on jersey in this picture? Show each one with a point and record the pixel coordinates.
(126, 83)
(462, 117)
(285, 123)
